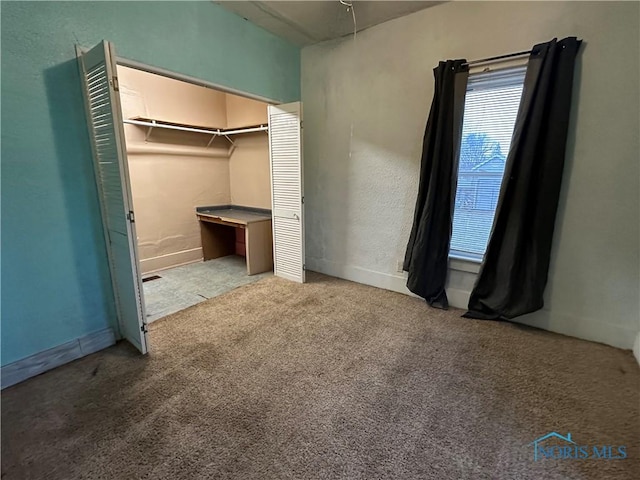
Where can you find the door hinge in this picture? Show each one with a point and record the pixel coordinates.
(302, 199)
(143, 328)
(301, 124)
(114, 83)
(130, 216)
(304, 267)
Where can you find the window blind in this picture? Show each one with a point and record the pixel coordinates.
(490, 111)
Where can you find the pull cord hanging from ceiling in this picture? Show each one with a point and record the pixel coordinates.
(351, 9)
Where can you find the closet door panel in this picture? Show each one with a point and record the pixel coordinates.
(104, 119)
(287, 190)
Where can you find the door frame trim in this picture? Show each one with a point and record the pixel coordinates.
(145, 67)
(125, 62)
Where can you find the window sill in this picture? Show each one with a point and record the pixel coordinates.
(464, 264)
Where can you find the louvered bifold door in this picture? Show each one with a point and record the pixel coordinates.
(104, 118)
(287, 190)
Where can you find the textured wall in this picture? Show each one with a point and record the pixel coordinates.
(250, 171)
(366, 105)
(55, 280)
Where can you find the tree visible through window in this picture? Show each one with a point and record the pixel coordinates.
(490, 111)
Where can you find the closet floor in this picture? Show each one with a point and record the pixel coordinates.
(181, 287)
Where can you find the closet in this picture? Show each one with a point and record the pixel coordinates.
(186, 172)
(192, 150)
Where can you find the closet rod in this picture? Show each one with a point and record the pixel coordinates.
(261, 128)
(153, 124)
(171, 127)
(499, 57)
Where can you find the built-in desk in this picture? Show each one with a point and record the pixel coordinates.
(219, 227)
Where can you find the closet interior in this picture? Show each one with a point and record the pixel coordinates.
(199, 171)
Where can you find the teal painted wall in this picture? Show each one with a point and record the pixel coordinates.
(55, 278)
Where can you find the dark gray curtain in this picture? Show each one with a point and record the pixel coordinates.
(513, 276)
(427, 253)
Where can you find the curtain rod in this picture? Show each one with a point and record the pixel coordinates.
(499, 57)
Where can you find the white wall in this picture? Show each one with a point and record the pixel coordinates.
(366, 105)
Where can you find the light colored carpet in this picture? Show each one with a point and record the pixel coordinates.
(184, 286)
(327, 380)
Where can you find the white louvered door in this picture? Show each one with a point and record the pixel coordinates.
(104, 118)
(287, 190)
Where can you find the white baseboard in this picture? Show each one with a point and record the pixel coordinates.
(395, 283)
(175, 259)
(585, 328)
(38, 363)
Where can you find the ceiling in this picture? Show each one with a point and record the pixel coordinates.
(305, 23)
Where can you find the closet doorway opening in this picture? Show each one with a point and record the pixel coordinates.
(198, 161)
(196, 183)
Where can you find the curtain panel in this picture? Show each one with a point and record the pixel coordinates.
(514, 273)
(427, 255)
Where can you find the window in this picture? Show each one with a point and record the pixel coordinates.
(490, 111)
